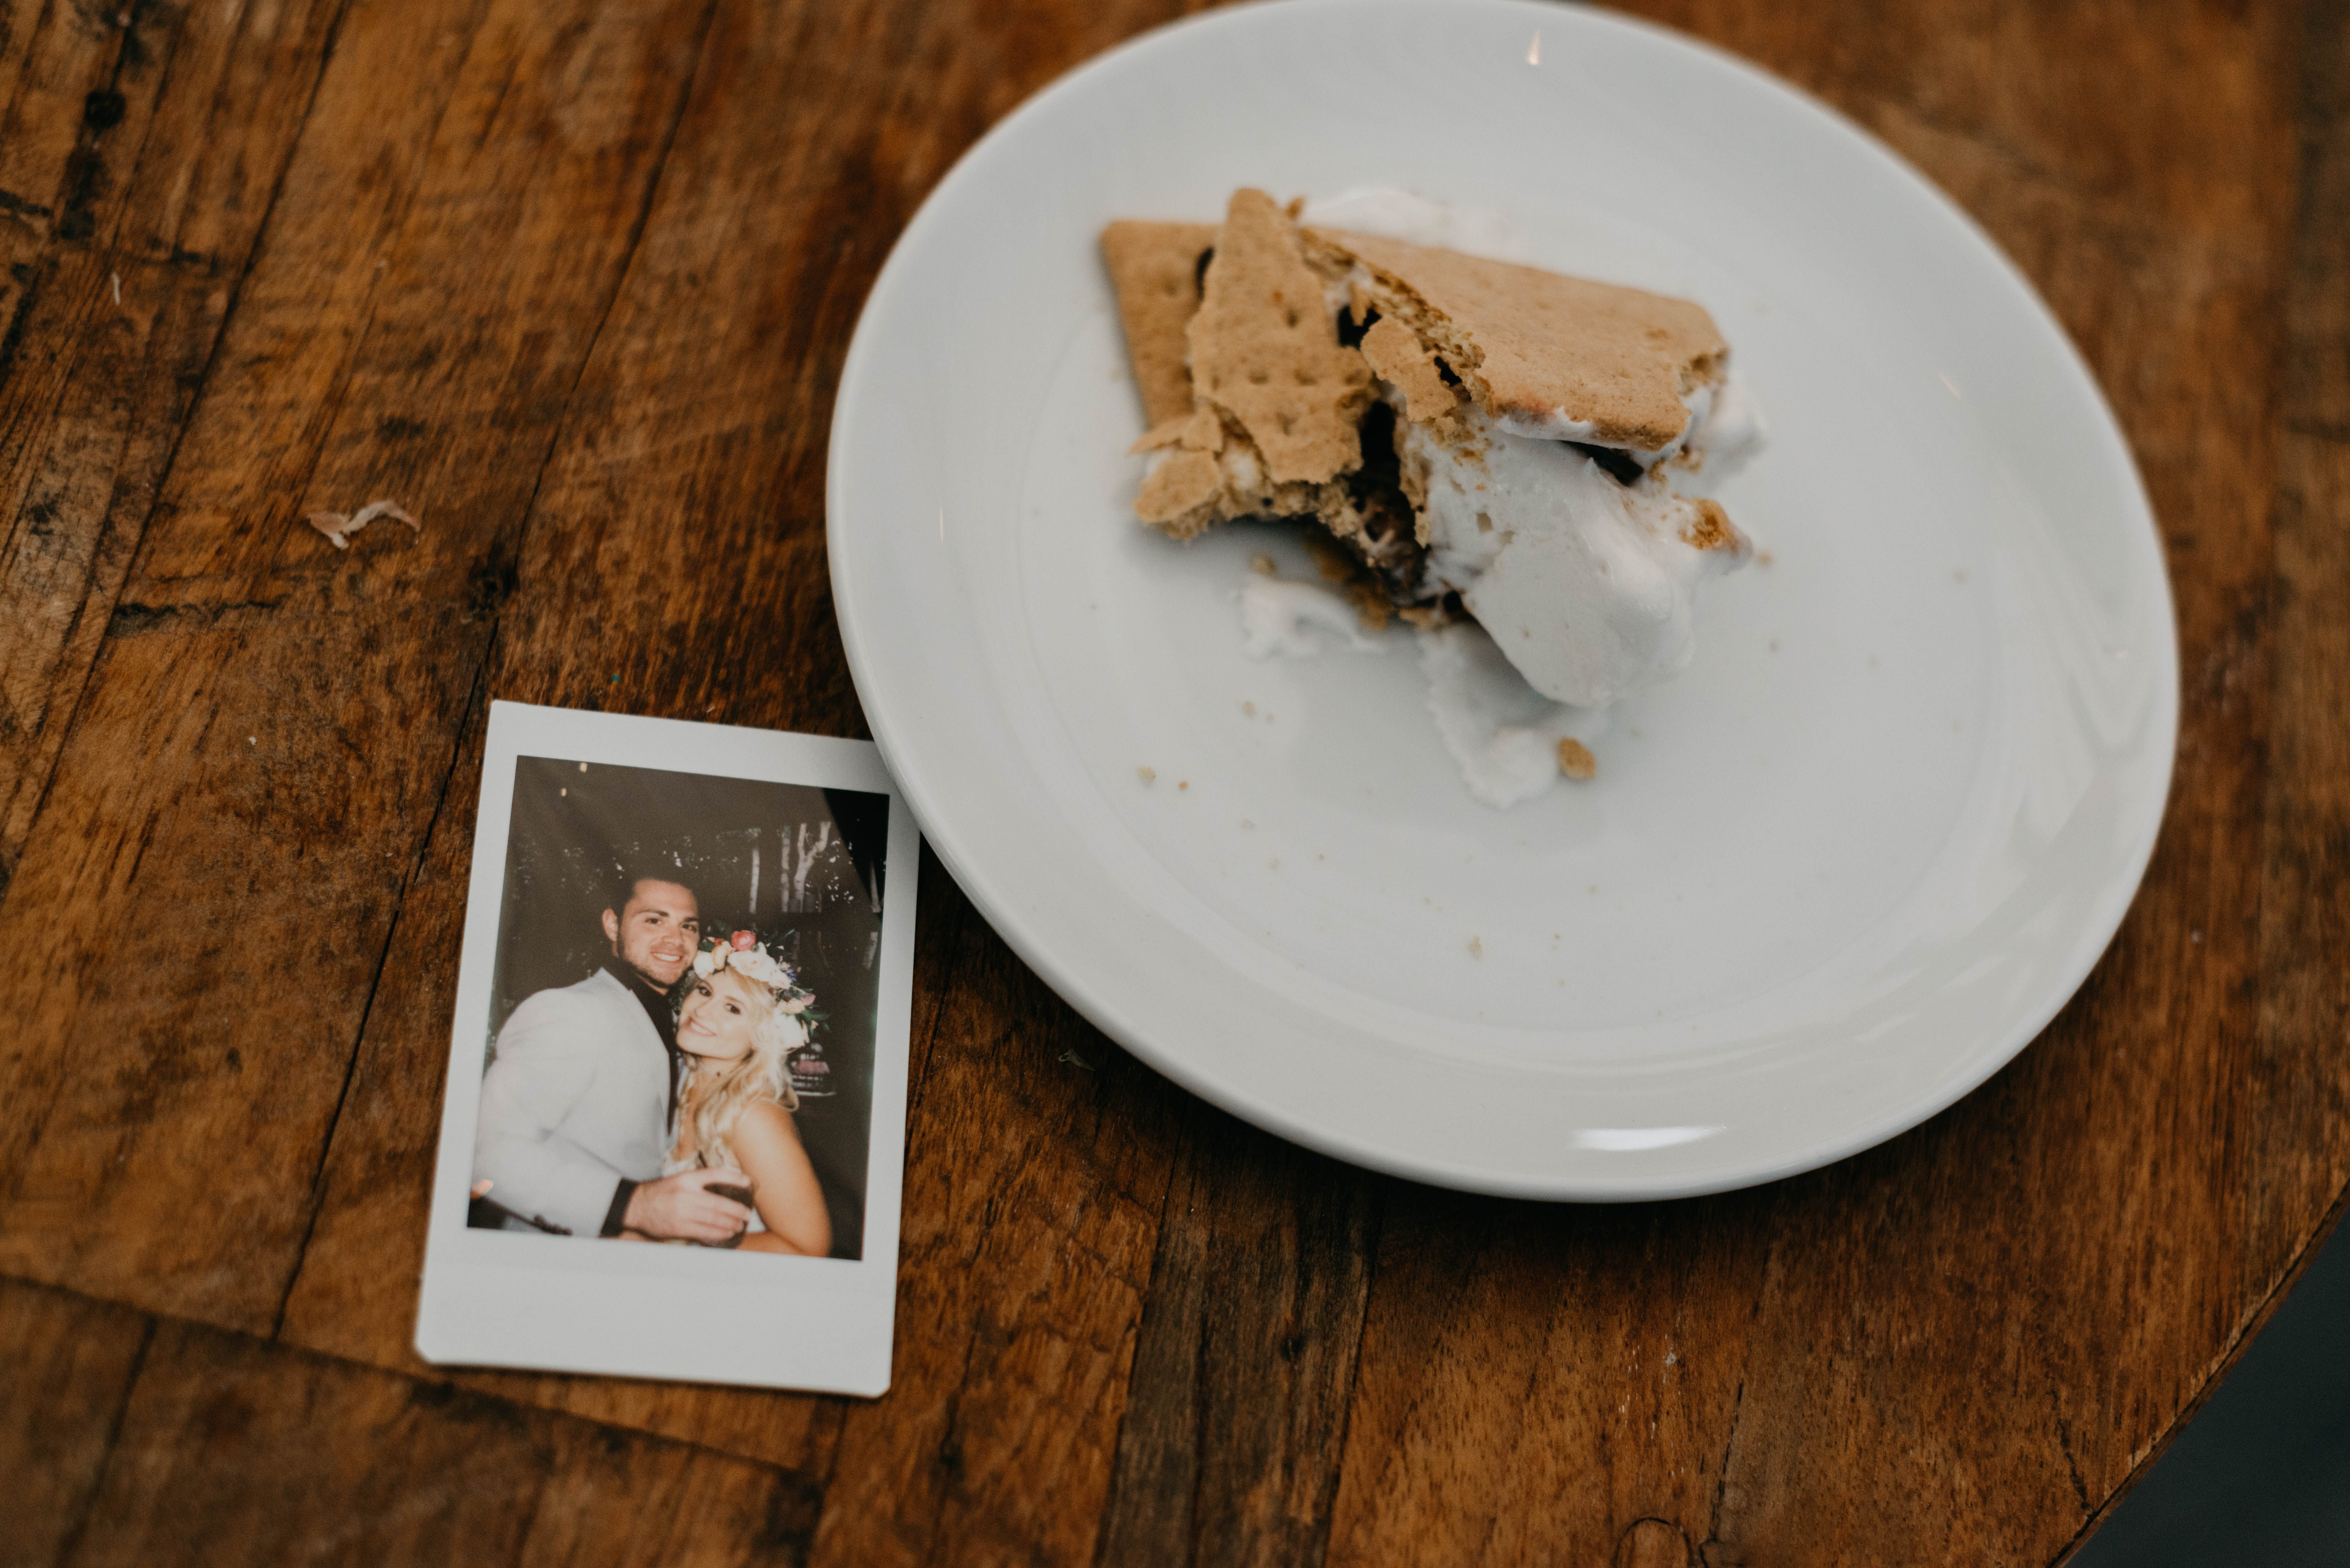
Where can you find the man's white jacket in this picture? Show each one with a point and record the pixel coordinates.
(577, 1098)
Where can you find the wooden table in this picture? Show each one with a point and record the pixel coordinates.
(573, 282)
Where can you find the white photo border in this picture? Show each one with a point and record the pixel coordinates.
(505, 1298)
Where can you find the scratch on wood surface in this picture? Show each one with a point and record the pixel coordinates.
(2072, 1465)
(338, 527)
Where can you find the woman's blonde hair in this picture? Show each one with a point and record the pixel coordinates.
(761, 1073)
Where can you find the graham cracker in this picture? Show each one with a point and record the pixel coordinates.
(1258, 408)
(1265, 350)
(1155, 268)
(1183, 485)
(1394, 353)
(1537, 348)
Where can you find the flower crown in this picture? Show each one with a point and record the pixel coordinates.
(745, 955)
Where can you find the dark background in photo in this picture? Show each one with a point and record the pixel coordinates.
(801, 866)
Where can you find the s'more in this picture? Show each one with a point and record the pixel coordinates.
(1461, 437)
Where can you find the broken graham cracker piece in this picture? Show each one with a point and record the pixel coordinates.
(1280, 404)
(1176, 492)
(1155, 267)
(1575, 761)
(1395, 354)
(1545, 355)
(1265, 350)
(1199, 430)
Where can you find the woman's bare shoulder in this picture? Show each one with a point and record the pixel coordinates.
(764, 1125)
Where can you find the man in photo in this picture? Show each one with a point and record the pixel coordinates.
(581, 1093)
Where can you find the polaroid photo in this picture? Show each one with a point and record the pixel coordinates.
(673, 1141)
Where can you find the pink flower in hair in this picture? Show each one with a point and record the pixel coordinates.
(743, 941)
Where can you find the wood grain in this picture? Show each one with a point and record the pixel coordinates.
(1246, 1348)
(2301, 1097)
(1037, 1164)
(63, 1386)
(295, 711)
(573, 281)
(235, 1451)
(136, 164)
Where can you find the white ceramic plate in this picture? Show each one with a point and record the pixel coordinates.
(1828, 880)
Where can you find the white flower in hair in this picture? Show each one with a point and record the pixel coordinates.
(705, 964)
(754, 963)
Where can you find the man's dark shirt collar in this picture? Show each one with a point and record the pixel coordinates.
(657, 1008)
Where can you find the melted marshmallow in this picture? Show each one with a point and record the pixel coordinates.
(1278, 619)
(1726, 426)
(1502, 734)
(1587, 587)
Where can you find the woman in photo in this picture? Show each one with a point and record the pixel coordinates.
(742, 1015)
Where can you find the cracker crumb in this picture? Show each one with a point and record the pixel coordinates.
(1710, 529)
(1262, 565)
(1183, 783)
(1575, 759)
(1763, 557)
(1476, 947)
(1249, 708)
(1148, 775)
